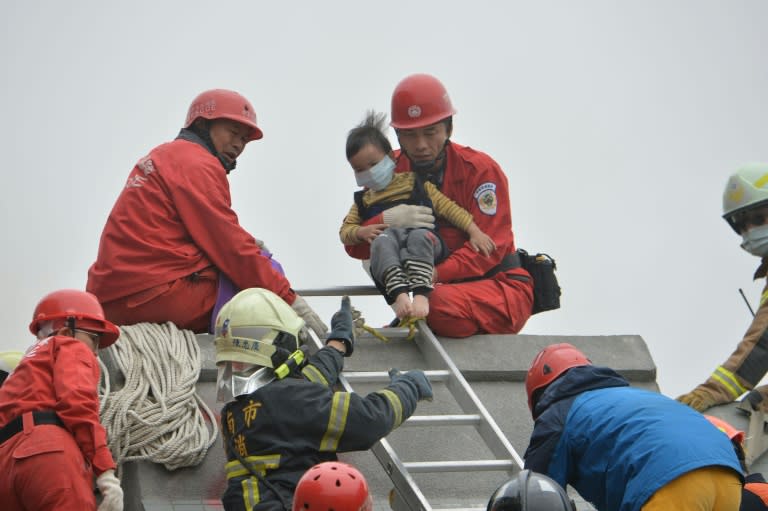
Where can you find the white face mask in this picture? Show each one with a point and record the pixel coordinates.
(756, 240)
(377, 177)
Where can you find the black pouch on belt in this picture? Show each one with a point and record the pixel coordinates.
(546, 290)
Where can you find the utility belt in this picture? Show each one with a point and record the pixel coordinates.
(39, 417)
(541, 267)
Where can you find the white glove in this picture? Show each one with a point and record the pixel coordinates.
(406, 215)
(111, 493)
(262, 246)
(309, 316)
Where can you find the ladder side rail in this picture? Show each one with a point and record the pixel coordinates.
(490, 432)
(405, 485)
(363, 290)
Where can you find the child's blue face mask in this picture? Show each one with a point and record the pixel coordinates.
(377, 177)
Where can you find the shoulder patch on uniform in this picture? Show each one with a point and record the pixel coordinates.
(485, 195)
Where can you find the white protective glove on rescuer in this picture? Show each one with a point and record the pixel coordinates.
(407, 215)
(262, 245)
(111, 492)
(309, 316)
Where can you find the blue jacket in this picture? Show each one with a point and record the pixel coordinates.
(615, 444)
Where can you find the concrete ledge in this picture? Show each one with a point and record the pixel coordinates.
(494, 364)
(508, 357)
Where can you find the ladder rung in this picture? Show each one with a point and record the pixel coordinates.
(443, 420)
(458, 466)
(460, 509)
(383, 376)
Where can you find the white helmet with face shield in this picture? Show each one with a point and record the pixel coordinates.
(747, 189)
(256, 332)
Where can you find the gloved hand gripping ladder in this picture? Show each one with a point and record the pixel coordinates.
(440, 368)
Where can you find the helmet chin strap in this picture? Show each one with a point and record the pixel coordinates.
(431, 169)
(204, 132)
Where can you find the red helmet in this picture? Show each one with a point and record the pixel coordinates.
(82, 307)
(736, 435)
(420, 100)
(332, 486)
(550, 363)
(224, 104)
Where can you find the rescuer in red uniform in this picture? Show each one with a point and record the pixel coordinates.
(51, 440)
(473, 293)
(172, 240)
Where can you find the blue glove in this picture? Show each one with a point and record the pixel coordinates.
(342, 326)
(419, 380)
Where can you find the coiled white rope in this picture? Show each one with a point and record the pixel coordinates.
(157, 415)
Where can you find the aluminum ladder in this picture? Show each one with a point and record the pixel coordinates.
(440, 368)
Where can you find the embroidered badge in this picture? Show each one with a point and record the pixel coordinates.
(485, 195)
(146, 165)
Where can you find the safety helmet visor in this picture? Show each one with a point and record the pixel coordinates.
(237, 379)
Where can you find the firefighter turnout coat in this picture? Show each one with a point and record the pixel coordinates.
(274, 434)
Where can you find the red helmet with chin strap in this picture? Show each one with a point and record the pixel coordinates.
(420, 100)
(81, 307)
(550, 363)
(332, 486)
(224, 104)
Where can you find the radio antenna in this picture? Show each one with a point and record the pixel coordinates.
(747, 302)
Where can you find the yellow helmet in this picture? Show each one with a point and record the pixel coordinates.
(8, 362)
(255, 324)
(747, 188)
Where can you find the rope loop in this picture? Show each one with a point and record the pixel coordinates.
(157, 414)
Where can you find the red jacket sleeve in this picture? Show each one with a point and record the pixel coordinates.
(75, 383)
(202, 198)
(363, 250)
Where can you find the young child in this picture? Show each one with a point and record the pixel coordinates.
(402, 258)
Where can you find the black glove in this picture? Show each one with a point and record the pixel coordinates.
(418, 378)
(342, 326)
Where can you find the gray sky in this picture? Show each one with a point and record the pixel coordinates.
(617, 124)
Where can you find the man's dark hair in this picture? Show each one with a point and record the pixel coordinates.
(370, 131)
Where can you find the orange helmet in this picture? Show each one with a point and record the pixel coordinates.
(420, 100)
(332, 485)
(736, 435)
(550, 363)
(80, 306)
(224, 104)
